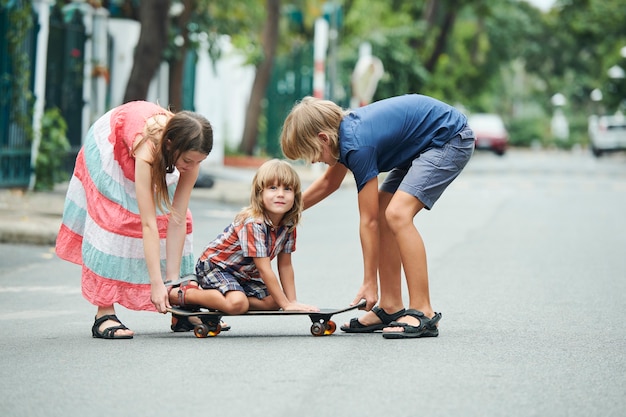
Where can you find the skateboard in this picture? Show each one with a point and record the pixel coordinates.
(322, 325)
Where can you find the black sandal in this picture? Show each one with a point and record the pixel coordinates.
(357, 327)
(183, 324)
(109, 332)
(426, 328)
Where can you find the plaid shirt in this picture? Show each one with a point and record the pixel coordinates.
(234, 249)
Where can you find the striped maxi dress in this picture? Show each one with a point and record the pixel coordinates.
(101, 228)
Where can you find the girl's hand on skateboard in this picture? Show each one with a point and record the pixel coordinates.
(160, 297)
(296, 306)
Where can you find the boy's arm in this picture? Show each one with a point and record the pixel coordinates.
(368, 229)
(324, 186)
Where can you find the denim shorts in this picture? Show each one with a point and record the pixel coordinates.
(217, 279)
(433, 170)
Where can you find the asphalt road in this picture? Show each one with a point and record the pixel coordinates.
(527, 265)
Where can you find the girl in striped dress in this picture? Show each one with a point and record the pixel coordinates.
(126, 219)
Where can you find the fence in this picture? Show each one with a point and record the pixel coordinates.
(64, 89)
(69, 56)
(15, 148)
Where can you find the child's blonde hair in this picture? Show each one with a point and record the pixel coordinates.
(311, 116)
(274, 172)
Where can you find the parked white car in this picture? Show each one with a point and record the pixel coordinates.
(607, 133)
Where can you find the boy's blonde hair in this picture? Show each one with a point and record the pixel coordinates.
(274, 172)
(311, 116)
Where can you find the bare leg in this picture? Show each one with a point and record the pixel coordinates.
(266, 303)
(108, 310)
(389, 264)
(388, 268)
(233, 302)
(400, 214)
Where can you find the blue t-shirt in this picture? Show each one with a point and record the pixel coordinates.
(391, 133)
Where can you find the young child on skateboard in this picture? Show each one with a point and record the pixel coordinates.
(423, 144)
(234, 271)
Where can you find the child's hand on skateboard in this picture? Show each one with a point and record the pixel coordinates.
(367, 293)
(296, 306)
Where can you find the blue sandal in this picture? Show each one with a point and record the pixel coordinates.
(426, 328)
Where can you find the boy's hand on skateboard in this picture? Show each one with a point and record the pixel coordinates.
(367, 293)
(296, 306)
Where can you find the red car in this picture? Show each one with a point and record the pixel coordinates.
(491, 134)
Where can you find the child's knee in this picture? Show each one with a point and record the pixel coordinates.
(237, 304)
(396, 218)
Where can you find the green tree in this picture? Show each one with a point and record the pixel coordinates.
(262, 77)
(579, 42)
(149, 51)
(168, 37)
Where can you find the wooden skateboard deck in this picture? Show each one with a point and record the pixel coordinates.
(322, 325)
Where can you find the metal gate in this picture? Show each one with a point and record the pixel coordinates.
(292, 79)
(65, 73)
(15, 138)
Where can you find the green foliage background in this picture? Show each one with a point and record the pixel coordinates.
(53, 148)
(502, 56)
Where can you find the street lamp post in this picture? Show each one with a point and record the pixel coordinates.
(559, 124)
(617, 75)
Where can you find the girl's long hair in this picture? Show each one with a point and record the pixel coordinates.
(185, 131)
(274, 172)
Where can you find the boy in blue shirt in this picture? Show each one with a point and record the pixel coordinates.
(423, 144)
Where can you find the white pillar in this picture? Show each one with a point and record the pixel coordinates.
(100, 72)
(320, 46)
(41, 57)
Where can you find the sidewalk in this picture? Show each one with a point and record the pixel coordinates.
(35, 217)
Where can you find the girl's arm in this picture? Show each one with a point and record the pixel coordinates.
(325, 185)
(368, 229)
(177, 224)
(150, 233)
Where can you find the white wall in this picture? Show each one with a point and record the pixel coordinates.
(222, 95)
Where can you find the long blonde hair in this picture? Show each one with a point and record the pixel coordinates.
(274, 172)
(306, 120)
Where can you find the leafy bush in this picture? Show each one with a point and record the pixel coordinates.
(53, 148)
(523, 132)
